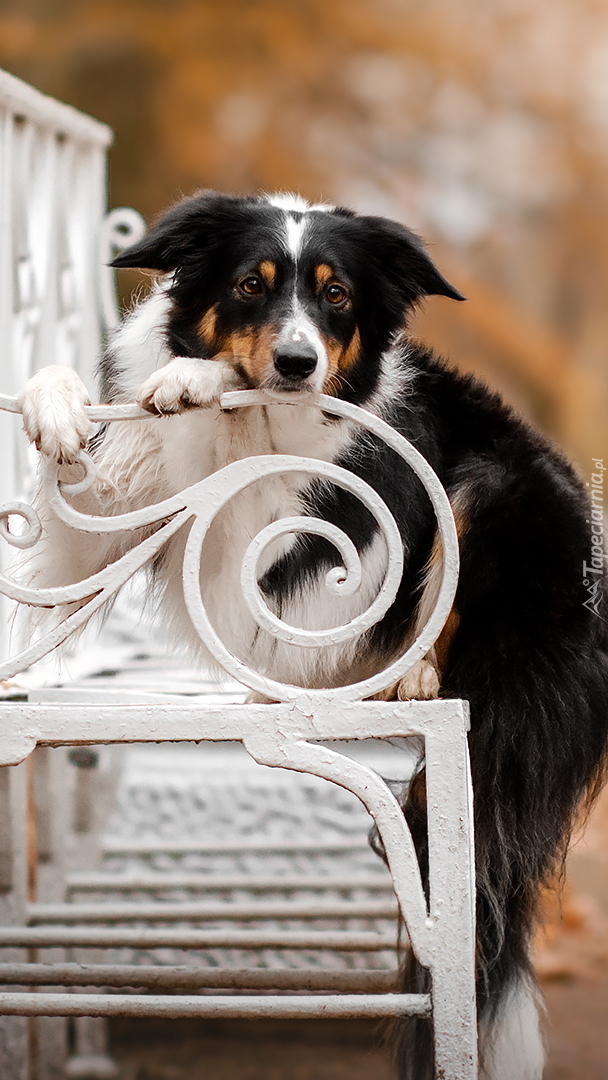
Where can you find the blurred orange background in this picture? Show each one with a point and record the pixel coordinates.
(484, 126)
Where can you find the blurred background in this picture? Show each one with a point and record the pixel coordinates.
(484, 126)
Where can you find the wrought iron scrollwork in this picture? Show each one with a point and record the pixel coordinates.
(200, 504)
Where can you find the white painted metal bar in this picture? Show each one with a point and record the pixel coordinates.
(28, 103)
(211, 883)
(31, 937)
(24, 726)
(231, 847)
(52, 156)
(164, 911)
(371, 981)
(96, 413)
(14, 1035)
(122, 227)
(54, 291)
(452, 899)
(50, 825)
(56, 303)
(300, 1007)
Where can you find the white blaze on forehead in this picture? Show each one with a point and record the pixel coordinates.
(296, 211)
(294, 233)
(286, 200)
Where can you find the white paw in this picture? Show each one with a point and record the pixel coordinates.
(186, 384)
(420, 684)
(52, 405)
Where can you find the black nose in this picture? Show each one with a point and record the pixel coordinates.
(295, 359)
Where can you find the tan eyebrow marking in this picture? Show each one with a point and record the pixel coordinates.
(268, 270)
(323, 274)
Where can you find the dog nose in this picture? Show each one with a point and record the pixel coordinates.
(295, 359)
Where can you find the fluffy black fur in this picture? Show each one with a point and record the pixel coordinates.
(531, 660)
(528, 656)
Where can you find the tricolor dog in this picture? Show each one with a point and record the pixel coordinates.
(271, 292)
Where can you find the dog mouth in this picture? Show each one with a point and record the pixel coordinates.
(279, 384)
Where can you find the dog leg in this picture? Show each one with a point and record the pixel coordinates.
(52, 404)
(186, 384)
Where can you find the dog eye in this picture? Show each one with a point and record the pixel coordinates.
(251, 286)
(336, 294)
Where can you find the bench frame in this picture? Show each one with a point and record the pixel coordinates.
(289, 734)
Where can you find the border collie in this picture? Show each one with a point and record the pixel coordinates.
(270, 292)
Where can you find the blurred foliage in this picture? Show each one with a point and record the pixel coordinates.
(483, 126)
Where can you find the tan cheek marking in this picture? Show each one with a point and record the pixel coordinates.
(207, 325)
(323, 274)
(340, 360)
(236, 348)
(334, 351)
(262, 354)
(252, 351)
(268, 271)
(351, 353)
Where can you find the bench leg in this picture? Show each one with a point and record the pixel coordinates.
(14, 1030)
(92, 1060)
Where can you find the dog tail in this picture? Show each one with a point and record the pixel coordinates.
(510, 1041)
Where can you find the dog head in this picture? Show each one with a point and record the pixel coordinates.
(295, 297)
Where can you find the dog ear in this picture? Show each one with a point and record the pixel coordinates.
(153, 252)
(159, 249)
(183, 229)
(405, 262)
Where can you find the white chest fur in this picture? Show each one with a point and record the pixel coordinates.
(154, 459)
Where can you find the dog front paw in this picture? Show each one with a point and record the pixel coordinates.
(186, 384)
(52, 406)
(420, 684)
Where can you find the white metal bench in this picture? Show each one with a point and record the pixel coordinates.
(291, 734)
